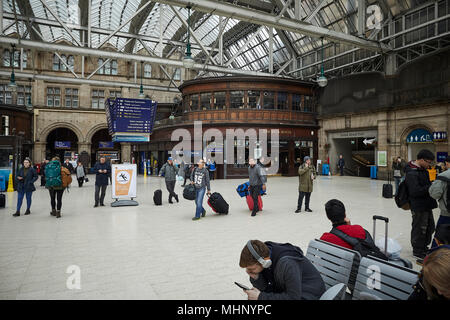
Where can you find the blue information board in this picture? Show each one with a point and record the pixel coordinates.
(130, 115)
(106, 145)
(62, 144)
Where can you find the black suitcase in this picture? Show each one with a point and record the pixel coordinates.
(157, 197)
(398, 261)
(387, 188)
(2, 200)
(218, 203)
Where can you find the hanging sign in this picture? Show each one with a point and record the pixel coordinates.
(124, 178)
(419, 136)
(440, 136)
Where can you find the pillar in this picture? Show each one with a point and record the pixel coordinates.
(39, 152)
(125, 153)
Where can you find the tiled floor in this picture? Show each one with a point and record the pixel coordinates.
(149, 252)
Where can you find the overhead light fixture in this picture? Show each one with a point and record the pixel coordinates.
(188, 61)
(141, 88)
(12, 83)
(322, 81)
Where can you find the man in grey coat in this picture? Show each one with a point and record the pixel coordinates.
(438, 191)
(280, 271)
(169, 172)
(258, 179)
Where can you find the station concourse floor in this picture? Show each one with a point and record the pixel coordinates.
(158, 252)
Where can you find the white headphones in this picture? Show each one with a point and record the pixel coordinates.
(265, 262)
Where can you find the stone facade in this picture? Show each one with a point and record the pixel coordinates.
(83, 120)
(393, 126)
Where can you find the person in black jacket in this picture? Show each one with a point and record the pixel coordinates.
(68, 165)
(26, 177)
(418, 182)
(280, 271)
(102, 170)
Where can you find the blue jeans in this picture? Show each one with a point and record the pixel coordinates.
(20, 196)
(199, 195)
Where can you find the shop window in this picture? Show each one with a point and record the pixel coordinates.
(309, 104)
(71, 97)
(194, 102)
(297, 102)
(220, 100)
(205, 101)
(5, 94)
(53, 97)
(282, 101)
(186, 106)
(269, 100)
(254, 99)
(98, 99)
(237, 99)
(5, 126)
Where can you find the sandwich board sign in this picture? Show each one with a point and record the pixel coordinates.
(124, 181)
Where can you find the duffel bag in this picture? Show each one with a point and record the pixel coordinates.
(189, 192)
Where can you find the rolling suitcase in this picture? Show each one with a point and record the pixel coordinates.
(2, 200)
(157, 195)
(387, 188)
(218, 203)
(398, 261)
(250, 202)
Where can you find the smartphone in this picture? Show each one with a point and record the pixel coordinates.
(241, 286)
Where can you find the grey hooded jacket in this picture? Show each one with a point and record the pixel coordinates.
(169, 171)
(438, 191)
(257, 175)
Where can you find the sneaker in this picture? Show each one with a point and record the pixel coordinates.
(308, 210)
(96, 205)
(203, 213)
(298, 211)
(195, 218)
(419, 262)
(102, 205)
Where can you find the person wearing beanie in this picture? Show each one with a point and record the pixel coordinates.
(335, 210)
(306, 176)
(169, 172)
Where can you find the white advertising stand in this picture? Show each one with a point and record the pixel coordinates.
(124, 181)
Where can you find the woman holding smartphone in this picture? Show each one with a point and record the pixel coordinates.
(25, 185)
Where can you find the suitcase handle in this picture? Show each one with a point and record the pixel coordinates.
(385, 219)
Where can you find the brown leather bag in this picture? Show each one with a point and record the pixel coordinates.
(66, 177)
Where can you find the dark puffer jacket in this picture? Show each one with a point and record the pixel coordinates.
(418, 182)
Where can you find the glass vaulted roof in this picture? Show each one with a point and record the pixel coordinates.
(160, 21)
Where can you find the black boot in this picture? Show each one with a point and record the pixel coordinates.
(53, 212)
(27, 212)
(16, 214)
(176, 198)
(96, 205)
(58, 213)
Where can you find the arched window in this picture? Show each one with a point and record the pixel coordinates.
(70, 62)
(101, 70)
(56, 62)
(58, 65)
(147, 70)
(110, 67)
(62, 66)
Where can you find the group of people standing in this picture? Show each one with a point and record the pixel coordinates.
(57, 177)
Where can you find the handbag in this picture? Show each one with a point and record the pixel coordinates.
(86, 180)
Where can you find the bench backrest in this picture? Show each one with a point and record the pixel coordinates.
(393, 282)
(334, 263)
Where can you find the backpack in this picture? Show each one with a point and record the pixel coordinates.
(366, 247)
(402, 196)
(53, 174)
(66, 177)
(448, 189)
